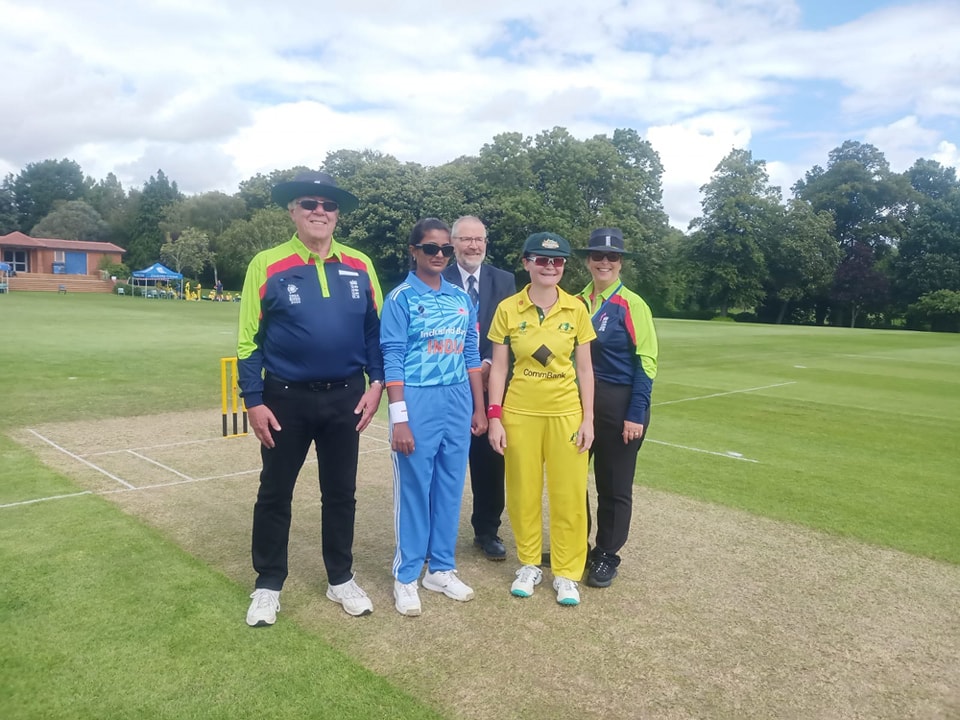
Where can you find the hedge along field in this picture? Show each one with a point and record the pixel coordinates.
(97, 357)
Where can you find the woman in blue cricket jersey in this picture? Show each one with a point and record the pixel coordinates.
(428, 335)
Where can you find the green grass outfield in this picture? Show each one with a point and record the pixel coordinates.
(850, 431)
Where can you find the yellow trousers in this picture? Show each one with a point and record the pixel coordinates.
(536, 443)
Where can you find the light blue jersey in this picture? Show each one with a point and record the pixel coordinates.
(428, 337)
(430, 341)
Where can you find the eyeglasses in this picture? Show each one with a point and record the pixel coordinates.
(543, 261)
(311, 205)
(601, 256)
(432, 249)
(470, 240)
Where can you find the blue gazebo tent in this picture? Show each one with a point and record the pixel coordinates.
(154, 274)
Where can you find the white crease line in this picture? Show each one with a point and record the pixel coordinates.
(230, 475)
(374, 450)
(187, 481)
(44, 499)
(155, 486)
(732, 392)
(159, 465)
(699, 450)
(80, 459)
(151, 447)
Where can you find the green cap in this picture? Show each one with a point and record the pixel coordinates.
(548, 244)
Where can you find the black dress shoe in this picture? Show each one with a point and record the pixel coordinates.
(492, 547)
(602, 569)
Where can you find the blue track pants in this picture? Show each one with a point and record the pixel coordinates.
(428, 483)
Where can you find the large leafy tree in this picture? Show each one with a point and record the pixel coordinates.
(451, 190)
(391, 195)
(868, 201)
(245, 238)
(931, 179)
(8, 207)
(72, 220)
(512, 207)
(255, 191)
(188, 252)
(802, 256)
(928, 256)
(740, 209)
(147, 206)
(107, 196)
(559, 183)
(210, 213)
(859, 285)
(636, 206)
(39, 185)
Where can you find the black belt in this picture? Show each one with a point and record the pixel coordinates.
(317, 385)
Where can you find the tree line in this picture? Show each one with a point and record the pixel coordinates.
(854, 244)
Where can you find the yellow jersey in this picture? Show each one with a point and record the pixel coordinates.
(544, 378)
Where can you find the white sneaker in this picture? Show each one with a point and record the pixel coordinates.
(448, 583)
(407, 597)
(264, 607)
(527, 577)
(567, 593)
(354, 600)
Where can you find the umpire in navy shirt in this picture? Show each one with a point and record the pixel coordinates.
(487, 286)
(309, 333)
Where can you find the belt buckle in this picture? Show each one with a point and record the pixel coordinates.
(318, 386)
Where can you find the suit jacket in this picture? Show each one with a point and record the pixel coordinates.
(495, 286)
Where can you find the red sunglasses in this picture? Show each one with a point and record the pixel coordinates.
(544, 261)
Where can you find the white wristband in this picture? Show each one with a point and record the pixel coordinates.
(398, 412)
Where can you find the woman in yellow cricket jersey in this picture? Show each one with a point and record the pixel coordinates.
(545, 420)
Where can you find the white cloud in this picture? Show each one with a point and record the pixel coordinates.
(903, 141)
(214, 92)
(690, 152)
(947, 154)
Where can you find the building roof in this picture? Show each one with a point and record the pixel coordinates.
(18, 239)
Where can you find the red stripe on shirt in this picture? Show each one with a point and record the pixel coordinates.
(627, 318)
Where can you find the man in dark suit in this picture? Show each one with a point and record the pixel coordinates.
(487, 286)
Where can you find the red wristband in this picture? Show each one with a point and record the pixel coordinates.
(494, 411)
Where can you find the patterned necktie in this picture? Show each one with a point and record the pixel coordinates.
(472, 290)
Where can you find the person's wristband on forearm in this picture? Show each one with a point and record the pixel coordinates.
(398, 412)
(494, 412)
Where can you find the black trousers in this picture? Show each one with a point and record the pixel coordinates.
(614, 465)
(323, 417)
(486, 481)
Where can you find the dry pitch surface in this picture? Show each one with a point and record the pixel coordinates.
(716, 613)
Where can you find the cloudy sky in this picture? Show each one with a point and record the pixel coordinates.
(214, 91)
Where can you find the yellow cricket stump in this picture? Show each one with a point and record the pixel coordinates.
(230, 400)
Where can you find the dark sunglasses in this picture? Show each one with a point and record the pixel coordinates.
(311, 205)
(601, 256)
(432, 249)
(544, 261)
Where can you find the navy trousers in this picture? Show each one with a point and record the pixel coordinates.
(614, 465)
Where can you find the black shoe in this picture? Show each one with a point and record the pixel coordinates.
(602, 570)
(492, 547)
